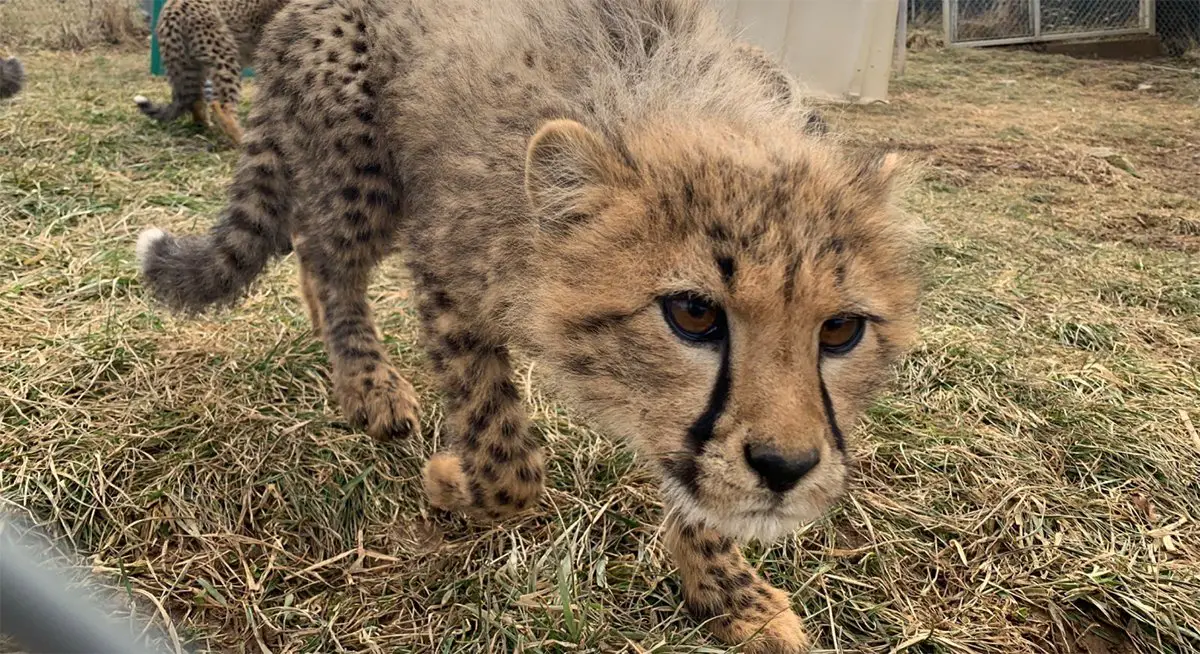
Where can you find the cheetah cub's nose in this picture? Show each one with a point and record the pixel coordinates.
(780, 473)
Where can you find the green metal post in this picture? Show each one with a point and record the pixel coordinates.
(156, 67)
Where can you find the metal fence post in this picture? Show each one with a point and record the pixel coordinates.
(156, 67)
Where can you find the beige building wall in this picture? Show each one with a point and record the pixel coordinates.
(840, 49)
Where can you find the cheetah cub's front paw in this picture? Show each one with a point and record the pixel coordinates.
(379, 400)
(487, 491)
(767, 624)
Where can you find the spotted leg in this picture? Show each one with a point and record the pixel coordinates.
(737, 605)
(492, 467)
(371, 392)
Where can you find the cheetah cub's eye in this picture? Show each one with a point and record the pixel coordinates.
(694, 319)
(842, 334)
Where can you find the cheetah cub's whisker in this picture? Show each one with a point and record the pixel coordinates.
(615, 187)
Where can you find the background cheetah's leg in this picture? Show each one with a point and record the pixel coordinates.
(721, 588)
(222, 68)
(187, 88)
(200, 112)
(493, 467)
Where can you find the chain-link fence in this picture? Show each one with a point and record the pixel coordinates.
(994, 22)
(1178, 25)
(72, 24)
(985, 22)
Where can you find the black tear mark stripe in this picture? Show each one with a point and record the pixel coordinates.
(701, 431)
(838, 439)
(685, 470)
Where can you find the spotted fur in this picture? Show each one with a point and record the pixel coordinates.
(12, 77)
(551, 170)
(205, 45)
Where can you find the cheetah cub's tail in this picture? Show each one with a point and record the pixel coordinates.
(192, 273)
(163, 113)
(12, 77)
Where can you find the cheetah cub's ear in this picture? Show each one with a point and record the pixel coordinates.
(569, 171)
(883, 174)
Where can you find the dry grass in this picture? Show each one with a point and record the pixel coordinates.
(1031, 485)
(71, 24)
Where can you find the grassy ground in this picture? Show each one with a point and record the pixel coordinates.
(1032, 484)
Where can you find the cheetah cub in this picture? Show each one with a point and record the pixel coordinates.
(208, 41)
(617, 189)
(12, 77)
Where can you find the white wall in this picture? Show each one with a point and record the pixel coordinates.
(840, 49)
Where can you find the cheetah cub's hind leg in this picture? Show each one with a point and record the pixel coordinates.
(224, 71)
(200, 113)
(371, 393)
(335, 269)
(721, 588)
(200, 107)
(308, 289)
(493, 467)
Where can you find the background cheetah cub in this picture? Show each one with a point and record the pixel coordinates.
(613, 186)
(210, 40)
(12, 77)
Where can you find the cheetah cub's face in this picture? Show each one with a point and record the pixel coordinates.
(728, 302)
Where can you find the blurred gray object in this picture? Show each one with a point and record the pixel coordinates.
(42, 614)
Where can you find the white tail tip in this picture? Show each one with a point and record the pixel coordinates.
(141, 99)
(145, 243)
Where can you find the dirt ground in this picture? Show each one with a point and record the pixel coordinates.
(1031, 483)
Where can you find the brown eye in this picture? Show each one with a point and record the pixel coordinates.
(840, 335)
(693, 318)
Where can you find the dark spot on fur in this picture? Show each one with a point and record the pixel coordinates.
(582, 365)
(727, 269)
(489, 473)
(596, 323)
(350, 194)
(789, 280)
(360, 47)
(338, 33)
(499, 454)
(379, 198)
(528, 474)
